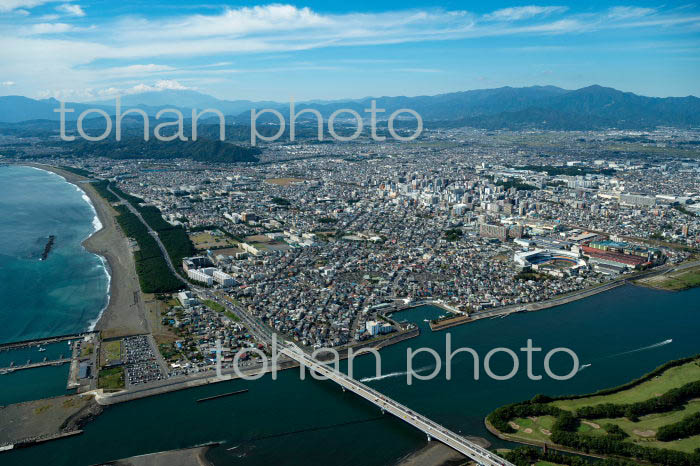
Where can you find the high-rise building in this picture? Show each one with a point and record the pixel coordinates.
(493, 231)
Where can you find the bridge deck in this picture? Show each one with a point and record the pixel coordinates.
(430, 428)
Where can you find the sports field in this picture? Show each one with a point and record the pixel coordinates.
(211, 240)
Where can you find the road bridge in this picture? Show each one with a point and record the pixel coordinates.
(386, 404)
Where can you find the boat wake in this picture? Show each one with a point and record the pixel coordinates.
(655, 345)
(583, 367)
(396, 374)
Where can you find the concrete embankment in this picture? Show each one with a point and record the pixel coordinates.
(531, 307)
(42, 341)
(32, 422)
(228, 374)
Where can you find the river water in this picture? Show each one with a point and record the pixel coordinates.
(618, 335)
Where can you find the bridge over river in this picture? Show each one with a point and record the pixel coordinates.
(386, 404)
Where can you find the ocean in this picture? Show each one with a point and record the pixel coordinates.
(65, 293)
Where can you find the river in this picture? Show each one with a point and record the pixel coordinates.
(618, 335)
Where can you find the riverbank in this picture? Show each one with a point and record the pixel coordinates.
(434, 454)
(639, 278)
(188, 382)
(195, 456)
(679, 280)
(439, 454)
(125, 312)
(531, 307)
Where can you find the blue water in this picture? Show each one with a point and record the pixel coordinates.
(64, 294)
(618, 333)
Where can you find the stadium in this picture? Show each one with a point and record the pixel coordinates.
(551, 261)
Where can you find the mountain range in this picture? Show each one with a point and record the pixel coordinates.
(544, 107)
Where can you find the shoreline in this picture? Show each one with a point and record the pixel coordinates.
(124, 313)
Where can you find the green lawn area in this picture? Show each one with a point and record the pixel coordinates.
(675, 281)
(688, 279)
(232, 316)
(643, 431)
(591, 428)
(112, 350)
(687, 445)
(531, 428)
(111, 379)
(214, 306)
(672, 378)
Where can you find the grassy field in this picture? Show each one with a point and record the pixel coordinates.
(214, 306)
(687, 445)
(208, 240)
(639, 431)
(643, 431)
(675, 281)
(112, 351)
(232, 316)
(533, 428)
(672, 378)
(111, 379)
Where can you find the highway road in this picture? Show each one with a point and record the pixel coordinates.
(153, 233)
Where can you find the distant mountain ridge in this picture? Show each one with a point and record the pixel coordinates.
(545, 107)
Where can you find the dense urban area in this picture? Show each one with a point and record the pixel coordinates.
(321, 242)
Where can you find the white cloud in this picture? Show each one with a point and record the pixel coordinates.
(137, 70)
(76, 61)
(9, 5)
(629, 12)
(161, 85)
(71, 9)
(523, 12)
(7, 83)
(50, 28)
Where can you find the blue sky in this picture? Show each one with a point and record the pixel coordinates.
(96, 49)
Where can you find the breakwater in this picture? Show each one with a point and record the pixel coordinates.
(47, 248)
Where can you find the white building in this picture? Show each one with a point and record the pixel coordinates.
(200, 276)
(376, 328)
(223, 278)
(186, 298)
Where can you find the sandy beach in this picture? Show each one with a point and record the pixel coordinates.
(125, 313)
(185, 457)
(435, 454)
